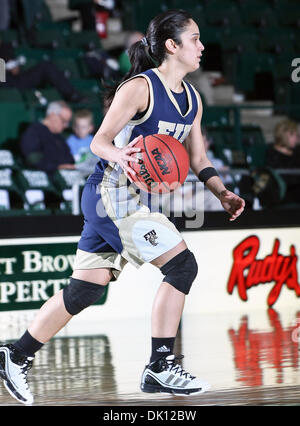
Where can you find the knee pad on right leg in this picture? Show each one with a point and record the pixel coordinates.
(79, 294)
(181, 271)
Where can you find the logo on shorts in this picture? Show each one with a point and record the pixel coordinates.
(151, 237)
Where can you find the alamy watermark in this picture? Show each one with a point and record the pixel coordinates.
(186, 201)
(296, 72)
(2, 71)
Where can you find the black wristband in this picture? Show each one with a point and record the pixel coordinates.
(207, 173)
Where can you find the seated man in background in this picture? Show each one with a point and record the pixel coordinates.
(42, 144)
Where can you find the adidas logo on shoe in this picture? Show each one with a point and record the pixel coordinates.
(163, 349)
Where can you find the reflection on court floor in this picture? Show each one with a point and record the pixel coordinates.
(247, 358)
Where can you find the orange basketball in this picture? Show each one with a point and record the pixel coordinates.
(163, 165)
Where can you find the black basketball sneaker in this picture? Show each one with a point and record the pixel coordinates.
(164, 375)
(14, 367)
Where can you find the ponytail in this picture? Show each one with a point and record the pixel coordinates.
(140, 60)
(150, 51)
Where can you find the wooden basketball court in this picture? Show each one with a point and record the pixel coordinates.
(248, 359)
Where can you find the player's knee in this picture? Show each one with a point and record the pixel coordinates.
(181, 271)
(80, 294)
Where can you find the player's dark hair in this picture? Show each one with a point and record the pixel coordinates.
(150, 52)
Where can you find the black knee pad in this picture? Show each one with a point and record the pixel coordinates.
(181, 271)
(79, 294)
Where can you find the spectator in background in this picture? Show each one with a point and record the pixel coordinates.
(124, 61)
(34, 77)
(79, 142)
(285, 154)
(42, 144)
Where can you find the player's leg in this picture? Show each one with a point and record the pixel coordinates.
(86, 286)
(163, 374)
(54, 315)
(151, 237)
(168, 303)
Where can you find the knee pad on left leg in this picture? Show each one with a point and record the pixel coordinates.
(79, 294)
(181, 271)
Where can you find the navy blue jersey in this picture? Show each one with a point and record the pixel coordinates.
(163, 116)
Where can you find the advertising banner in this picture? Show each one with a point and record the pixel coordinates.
(245, 269)
(33, 269)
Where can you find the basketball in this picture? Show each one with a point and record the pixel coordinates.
(163, 165)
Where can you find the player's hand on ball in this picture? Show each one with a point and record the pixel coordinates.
(127, 155)
(232, 203)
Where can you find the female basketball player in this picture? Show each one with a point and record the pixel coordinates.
(151, 99)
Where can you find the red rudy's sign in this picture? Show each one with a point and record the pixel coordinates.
(248, 271)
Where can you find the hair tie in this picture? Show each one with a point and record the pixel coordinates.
(145, 42)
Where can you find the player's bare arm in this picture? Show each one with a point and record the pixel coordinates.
(231, 202)
(130, 99)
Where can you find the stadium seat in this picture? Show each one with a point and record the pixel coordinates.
(33, 54)
(37, 189)
(13, 114)
(235, 42)
(68, 66)
(11, 196)
(50, 39)
(147, 10)
(66, 52)
(222, 13)
(258, 14)
(251, 64)
(249, 154)
(10, 36)
(40, 97)
(64, 181)
(35, 11)
(221, 141)
(8, 160)
(254, 145)
(129, 15)
(10, 95)
(87, 84)
(192, 6)
(215, 115)
(238, 39)
(276, 40)
(87, 40)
